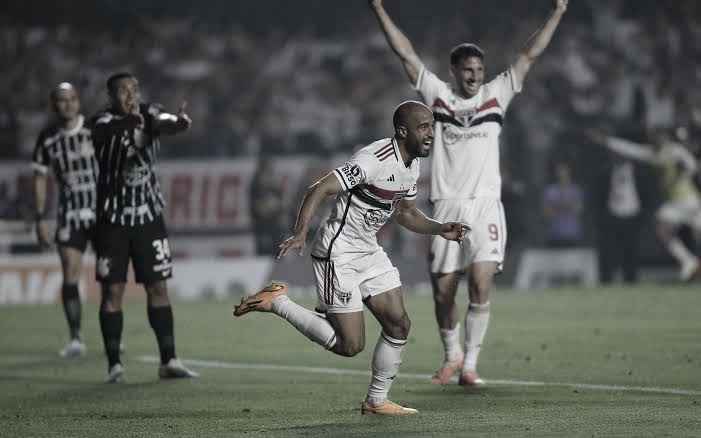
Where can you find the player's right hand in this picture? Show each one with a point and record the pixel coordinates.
(296, 241)
(42, 232)
(375, 3)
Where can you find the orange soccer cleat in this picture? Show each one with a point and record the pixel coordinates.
(470, 379)
(262, 301)
(386, 408)
(443, 375)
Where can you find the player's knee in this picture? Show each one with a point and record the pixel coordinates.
(112, 297)
(399, 327)
(350, 347)
(157, 290)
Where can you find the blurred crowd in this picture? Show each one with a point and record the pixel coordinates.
(628, 67)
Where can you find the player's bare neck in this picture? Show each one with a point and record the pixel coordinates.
(70, 124)
(407, 158)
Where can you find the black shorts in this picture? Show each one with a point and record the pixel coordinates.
(77, 238)
(145, 245)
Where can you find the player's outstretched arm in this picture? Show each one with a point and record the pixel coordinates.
(413, 219)
(170, 124)
(399, 43)
(320, 190)
(538, 42)
(634, 151)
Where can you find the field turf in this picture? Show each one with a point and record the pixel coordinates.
(602, 362)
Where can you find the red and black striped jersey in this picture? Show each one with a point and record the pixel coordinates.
(375, 179)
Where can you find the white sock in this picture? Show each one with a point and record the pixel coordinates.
(385, 365)
(451, 343)
(476, 322)
(680, 252)
(305, 321)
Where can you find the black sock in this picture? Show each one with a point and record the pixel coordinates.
(161, 320)
(72, 308)
(111, 324)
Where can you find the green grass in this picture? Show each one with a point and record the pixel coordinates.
(648, 336)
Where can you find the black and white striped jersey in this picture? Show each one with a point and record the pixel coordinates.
(128, 190)
(71, 156)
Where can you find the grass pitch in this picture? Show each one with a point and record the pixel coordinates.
(647, 338)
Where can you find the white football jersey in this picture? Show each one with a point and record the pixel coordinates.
(374, 180)
(465, 155)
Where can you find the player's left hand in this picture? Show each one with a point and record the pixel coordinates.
(183, 119)
(561, 5)
(454, 231)
(296, 241)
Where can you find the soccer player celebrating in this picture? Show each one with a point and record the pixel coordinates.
(66, 147)
(351, 268)
(465, 180)
(682, 205)
(130, 218)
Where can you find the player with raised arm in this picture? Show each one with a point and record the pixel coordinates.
(65, 146)
(351, 268)
(130, 223)
(465, 179)
(682, 205)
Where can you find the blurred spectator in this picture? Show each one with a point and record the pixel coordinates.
(621, 197)
(267, 208)
(562, 205)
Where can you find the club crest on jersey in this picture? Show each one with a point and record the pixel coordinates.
(136, 176)
(352, 173)
(376, 217)
(465, 116)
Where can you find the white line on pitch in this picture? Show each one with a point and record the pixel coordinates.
(426, 377)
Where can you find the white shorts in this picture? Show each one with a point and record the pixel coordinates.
(343, 288)
(681, 213)
(484, 243)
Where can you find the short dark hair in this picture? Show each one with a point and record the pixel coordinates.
(465, 50)
(112, 80)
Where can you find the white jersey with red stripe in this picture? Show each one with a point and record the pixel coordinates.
(465, 155)
(374, 180)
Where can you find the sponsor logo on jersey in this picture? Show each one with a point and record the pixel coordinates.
(343, 296)
(352, 173)
(391, 178)
(452, 135)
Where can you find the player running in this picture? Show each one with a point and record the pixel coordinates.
(65, 147)
(465, 180)
(351, 268)
(682, 205)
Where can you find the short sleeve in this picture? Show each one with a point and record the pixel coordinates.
(40, 157)
(504, 87)
(429, 86)
(362, 167)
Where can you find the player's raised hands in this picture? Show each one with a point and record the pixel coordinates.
(454, 231)
(375, 3)
(561, 5)
(296, 241)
